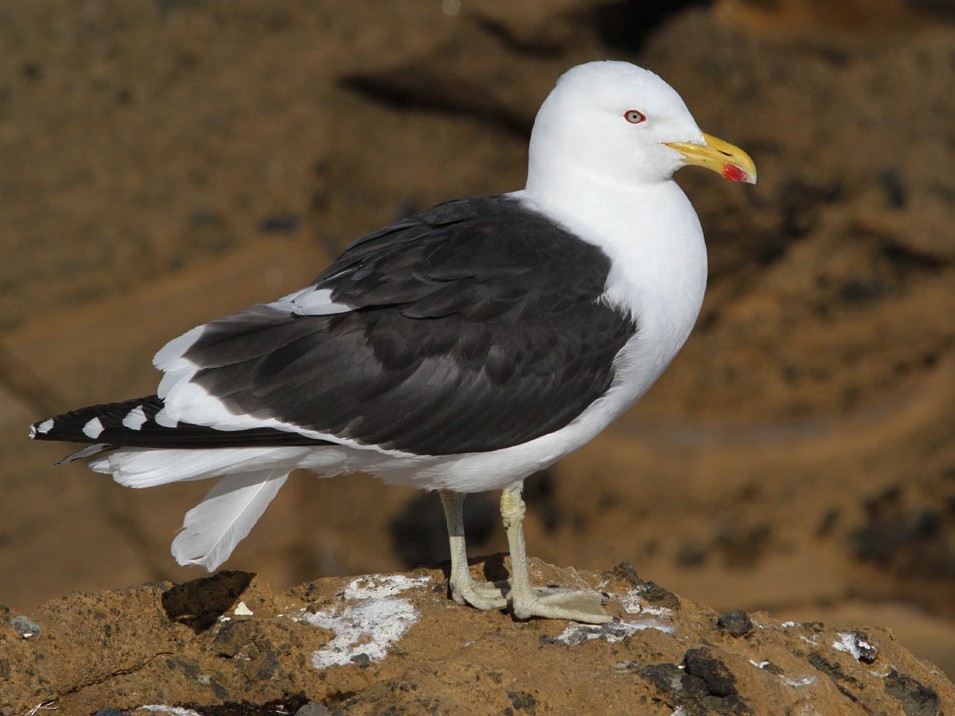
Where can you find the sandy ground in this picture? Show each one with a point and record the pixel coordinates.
(165, 163)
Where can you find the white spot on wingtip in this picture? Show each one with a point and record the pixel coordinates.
(135, 418)
(41, 429)
(93, 429)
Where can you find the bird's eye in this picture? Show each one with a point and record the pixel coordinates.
(634, 116)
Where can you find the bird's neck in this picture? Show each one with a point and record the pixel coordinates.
(612, 210)
(649, 228)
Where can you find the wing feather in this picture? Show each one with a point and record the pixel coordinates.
(473, 326)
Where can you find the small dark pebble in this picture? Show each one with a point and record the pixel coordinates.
(313, 708)
(111, 712)
(522, 701)
(655, 594)
(25, 627)
(735, 623)
(363, 660)
(625, 572)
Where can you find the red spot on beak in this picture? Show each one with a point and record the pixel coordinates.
(734, 173)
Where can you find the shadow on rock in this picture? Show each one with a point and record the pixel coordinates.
(199, 603)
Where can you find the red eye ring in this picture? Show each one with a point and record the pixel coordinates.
(634, 116)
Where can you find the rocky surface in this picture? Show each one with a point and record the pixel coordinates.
(167, 162)
(230, 644)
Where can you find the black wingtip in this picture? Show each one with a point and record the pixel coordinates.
(40, 429)
(104, 427)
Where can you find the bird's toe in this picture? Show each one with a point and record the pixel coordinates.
(578, 606)
(480, 595)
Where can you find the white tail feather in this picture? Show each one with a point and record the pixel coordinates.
(146, 467)
(226, 515)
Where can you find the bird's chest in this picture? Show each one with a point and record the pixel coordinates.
(662, 287)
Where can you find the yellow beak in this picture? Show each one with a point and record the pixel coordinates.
(721, 157)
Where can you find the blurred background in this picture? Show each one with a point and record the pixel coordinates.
(166, 162)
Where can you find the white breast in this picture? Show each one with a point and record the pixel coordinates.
(654, 240)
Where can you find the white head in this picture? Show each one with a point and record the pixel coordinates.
(621, 124)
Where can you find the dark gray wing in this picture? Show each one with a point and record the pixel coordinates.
(475, 326)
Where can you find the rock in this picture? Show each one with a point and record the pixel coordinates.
(736, 623)
(312, 708)
(304, 654)
(25, 627)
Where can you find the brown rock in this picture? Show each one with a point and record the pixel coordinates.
(366, 644)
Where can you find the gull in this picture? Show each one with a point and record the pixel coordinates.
(458, 350)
